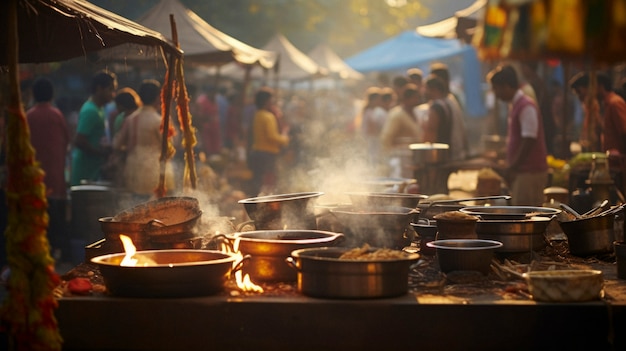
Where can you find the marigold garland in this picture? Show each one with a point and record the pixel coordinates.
(28, 308)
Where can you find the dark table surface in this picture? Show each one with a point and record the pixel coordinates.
(455, 315)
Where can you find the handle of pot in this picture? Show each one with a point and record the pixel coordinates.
(155, 223)
(221, 239)
(292, 263)
(239, 265)
(241, 225)
(339, 238)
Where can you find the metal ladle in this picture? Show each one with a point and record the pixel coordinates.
(570, 211)
(598, 209)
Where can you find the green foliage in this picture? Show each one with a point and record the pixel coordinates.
(347, 25)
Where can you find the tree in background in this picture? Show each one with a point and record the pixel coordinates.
(347, 25)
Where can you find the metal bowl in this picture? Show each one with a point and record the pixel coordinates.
(173, 273)
(565, 285)
(322, 274)
(465, 254)
(378, 226)
(284, 211)
(509, 212)
(515, 235)
(426, 232)
(589, 236)
(268, 250)
(385, 199)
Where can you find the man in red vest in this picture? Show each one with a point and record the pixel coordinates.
(527, 169)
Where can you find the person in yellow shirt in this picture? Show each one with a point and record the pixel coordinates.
(268, 138)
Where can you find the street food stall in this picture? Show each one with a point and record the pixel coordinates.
(298, 275)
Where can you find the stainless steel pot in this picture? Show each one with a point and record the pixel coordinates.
(175, 273)
(322, 274)
(385, 199)
(378, 226)
(284, 211)
(268, 250)
(510, 212)
(589, 236)
(515, 235)
(430, 152)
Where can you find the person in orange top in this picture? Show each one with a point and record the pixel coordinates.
(267, 141)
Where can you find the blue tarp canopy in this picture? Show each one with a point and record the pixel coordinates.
(409, 49)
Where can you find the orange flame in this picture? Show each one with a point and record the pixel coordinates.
(244, 283)
(130, 251)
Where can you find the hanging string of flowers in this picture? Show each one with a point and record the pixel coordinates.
(28, 310)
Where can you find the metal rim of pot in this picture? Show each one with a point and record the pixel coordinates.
(281, 197)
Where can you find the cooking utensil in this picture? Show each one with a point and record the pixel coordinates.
(570, 210)
(456, 225)
(612, 210)
(322, 274)
(509, 212)
(430, 152)
(465, 254)
(596, 210)
(175, 273)
(283, 211)
(378, 226)
(515, 235)
(428, 209)
(565, 285)
(268, 250)
(385, 199)
(590, 235)
(426, 231)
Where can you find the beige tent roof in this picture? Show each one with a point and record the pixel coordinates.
(57, 30)
(201, 42)
(294, 64)
(327, 58)
(449, 27)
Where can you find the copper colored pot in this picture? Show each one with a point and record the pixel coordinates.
(175, 273)
(322, 274)
(268, 250)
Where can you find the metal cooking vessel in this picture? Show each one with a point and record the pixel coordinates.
(430, 152)
(378, 226)
(284, 211)
(385, 199)
(588, 236)
(515, 235)
(509, 212)
(268, 250)
(177, 273)
(322, 274)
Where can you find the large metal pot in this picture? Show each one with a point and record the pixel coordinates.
(175, 273)
(322, 274)
(268, 250)
(379, 226)
(162, 217)
(510, 212)
(588, 236)
(385, 199)
(515, 235)
(284, 211)
(430, 152)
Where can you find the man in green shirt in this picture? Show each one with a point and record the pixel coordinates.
(91, 147)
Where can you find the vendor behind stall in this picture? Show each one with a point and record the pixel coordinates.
(527, 169)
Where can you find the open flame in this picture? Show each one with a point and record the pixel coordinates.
(130, 251)
(244, 283)
(129, 259)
